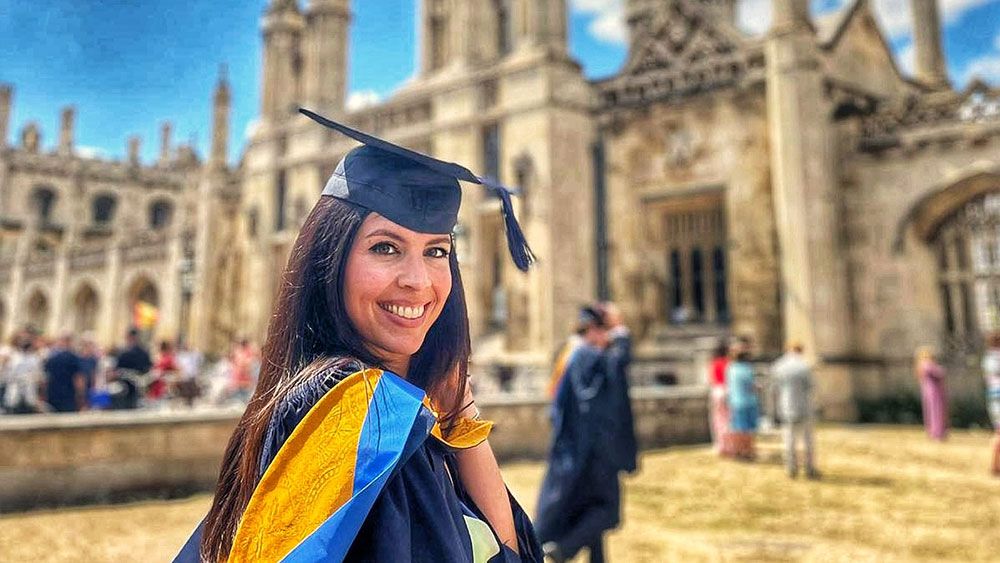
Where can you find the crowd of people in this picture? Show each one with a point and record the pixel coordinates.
(69, 374)
(734, 408)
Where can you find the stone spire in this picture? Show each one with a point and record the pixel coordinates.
(166, 128)
(549, 26)
(282, 27)
(324, 47)
(66, 131)
(6, 94)
(930, 64)
(221, 103)
(31, 137)
(134, 148)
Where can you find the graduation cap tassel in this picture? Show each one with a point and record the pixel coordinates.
(520, 252)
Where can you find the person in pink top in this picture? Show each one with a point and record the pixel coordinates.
(718, 416)
(244, 358)
(933, 394)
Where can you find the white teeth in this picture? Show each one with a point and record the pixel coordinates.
(405, 312)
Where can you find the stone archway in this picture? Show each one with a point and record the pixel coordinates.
(960, 224)
(86, 307)
(37, 311)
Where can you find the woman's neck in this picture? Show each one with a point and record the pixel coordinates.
(398, 366)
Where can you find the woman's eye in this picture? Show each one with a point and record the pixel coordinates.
(384, 248)
(438, 252)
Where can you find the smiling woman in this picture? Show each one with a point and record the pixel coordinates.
(362, 440)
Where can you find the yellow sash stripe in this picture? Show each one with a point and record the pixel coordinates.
(462, 434)
(311, 476)
(559, 369)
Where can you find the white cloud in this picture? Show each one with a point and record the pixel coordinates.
(92, 152)
(362, 99)
(754, 16)
(608, 23)
(906, 59)
(897, 19)
(986, 67)
(251, 128)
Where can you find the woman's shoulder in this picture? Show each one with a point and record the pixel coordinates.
(314, 381)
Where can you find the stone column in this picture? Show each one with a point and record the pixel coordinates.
(220, 122)
(15, 311)
(930, 64)
(165, 130)
(804, 183)
(461, 33)
(325, 47)
(282, 27)
(66, 131)
(6, 95)
(170, 288)
(110, 333)
(554, 32)
(134, 147)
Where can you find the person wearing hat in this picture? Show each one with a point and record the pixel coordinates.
(580, 497)
(362, 441)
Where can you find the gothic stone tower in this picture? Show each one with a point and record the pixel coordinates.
(495, 90)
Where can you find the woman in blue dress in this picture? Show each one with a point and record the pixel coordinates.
(362, 441)
(741, 392)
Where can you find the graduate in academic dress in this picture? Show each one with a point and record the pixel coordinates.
(580, 497)
(618, 356)
(362, 441)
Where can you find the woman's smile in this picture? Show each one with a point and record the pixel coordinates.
(403, 312)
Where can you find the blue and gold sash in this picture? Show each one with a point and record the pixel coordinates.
(315, 495)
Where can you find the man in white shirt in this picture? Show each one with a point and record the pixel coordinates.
(792, 377)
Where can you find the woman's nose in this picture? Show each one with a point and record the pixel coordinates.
(414, 274)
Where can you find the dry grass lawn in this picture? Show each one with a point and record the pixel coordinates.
(887, 494)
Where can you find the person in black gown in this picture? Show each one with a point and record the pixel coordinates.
(593, 440)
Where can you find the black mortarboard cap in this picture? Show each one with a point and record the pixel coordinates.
(412, 189)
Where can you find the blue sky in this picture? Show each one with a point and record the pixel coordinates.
(127, 66)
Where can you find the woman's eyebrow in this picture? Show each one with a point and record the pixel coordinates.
(385, 233)
(439, 240)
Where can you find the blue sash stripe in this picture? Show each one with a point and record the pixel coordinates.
(392, 412)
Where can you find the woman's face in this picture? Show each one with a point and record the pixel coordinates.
(397, 282)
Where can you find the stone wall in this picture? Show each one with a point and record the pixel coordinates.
(100, 457)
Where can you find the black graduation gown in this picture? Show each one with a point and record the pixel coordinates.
(618, 356)
(580, 497)
(418, 515)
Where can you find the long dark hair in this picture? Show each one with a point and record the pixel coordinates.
(308, 332)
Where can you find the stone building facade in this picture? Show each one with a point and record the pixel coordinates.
(86, 239)
(794, 185)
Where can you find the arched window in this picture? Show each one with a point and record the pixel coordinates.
(43, 201)
(103, 209)
(160, 214)
(968, 250)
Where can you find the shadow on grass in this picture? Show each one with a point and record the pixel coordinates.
(857, 480)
